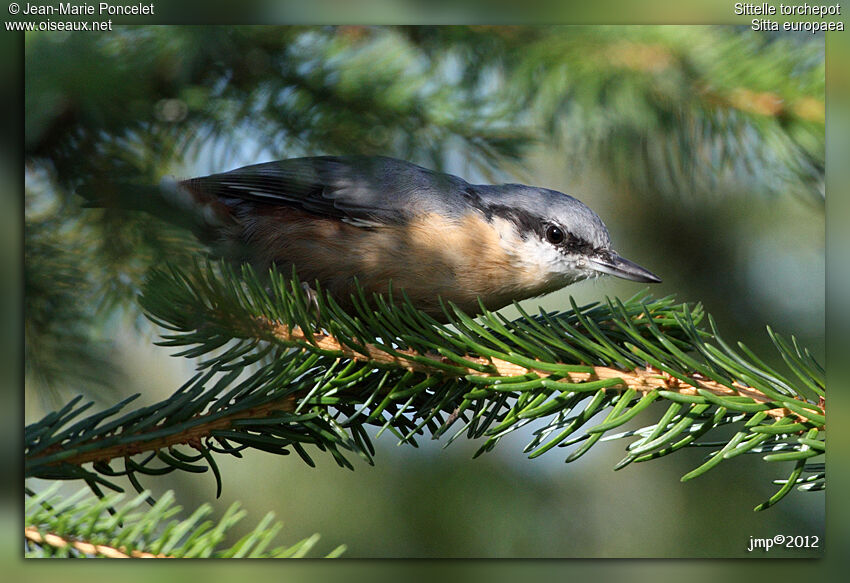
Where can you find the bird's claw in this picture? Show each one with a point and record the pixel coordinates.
(312, 301)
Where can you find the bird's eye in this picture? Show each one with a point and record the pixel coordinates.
(554, 235)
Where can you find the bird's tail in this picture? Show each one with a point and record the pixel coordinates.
(173, 201)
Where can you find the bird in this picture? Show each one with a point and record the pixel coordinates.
(387, 224)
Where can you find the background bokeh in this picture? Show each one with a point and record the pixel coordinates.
(702, 148)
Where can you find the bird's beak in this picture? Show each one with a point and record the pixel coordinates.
(616, 265)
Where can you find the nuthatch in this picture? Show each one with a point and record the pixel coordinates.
(376, 219)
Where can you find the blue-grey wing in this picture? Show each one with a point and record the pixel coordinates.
(367, 191)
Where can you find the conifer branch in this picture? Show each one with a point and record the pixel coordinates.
(83, 525)
(203, 426)
(643, 381)
(389, 365)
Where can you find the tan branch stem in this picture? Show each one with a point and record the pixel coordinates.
(641, 380)
(56, 541)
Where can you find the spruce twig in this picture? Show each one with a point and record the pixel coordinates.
(394, 367)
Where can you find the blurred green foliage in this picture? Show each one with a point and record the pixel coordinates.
(712, 139)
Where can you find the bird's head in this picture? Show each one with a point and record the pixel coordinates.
(556, 236)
